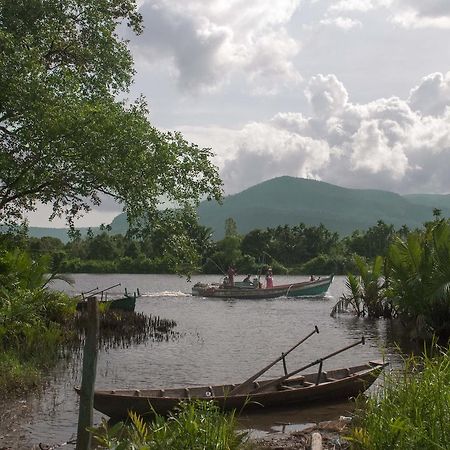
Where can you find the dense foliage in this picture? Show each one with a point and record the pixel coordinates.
(410, 411)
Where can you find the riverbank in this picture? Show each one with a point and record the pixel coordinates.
(327, 435)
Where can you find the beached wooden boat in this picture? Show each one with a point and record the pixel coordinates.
(249, 291)
(312, 388)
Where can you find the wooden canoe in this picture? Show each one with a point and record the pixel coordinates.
(332, 385)
(302, 289)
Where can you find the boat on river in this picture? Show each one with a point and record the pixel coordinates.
(242, 290)
(302, 390)
(126, 302)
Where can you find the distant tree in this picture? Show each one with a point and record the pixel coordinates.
(437, 213)
(375, 241)
(44, 244)
(101, 247)
(255, 243)
(230, 227)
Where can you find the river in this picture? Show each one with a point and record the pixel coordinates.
(219, 341)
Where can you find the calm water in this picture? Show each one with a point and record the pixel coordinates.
(220, 341)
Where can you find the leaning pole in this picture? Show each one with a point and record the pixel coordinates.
(85, 415)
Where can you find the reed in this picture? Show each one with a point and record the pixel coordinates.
(411, 410)
(195, 425)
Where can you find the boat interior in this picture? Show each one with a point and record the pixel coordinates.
(207, 392)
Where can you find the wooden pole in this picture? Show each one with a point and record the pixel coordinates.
(85, 415)
(243, 387)
(295, 372)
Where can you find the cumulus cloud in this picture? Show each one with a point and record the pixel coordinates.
(390, 143)
(326, 94)
(206, 43)
(432, 95)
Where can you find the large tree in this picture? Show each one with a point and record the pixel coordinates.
(65, 137)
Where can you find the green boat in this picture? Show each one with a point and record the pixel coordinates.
(125, 303)
(241, 290)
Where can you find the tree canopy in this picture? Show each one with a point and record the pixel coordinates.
(65, 137)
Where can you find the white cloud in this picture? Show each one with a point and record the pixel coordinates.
(346, 23)
(388, 143)
(207, 43)
(423, 13)
(358, 5)
(326, 94)
(432, 95)
(265, 151)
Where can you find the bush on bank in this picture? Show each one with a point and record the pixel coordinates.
(411, 411)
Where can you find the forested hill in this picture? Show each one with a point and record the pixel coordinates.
(288, 200)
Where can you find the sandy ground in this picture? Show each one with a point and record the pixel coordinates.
(332, 433)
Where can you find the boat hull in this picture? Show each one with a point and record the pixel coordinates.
(126, 303)
(302, 289)
(333, 385)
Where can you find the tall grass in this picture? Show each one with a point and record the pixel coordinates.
(411, 410)
(198, 425)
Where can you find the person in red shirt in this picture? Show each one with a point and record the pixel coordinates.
(269, 279)
(231, 273)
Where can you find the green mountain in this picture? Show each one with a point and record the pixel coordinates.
(440, 201)
(288, 200)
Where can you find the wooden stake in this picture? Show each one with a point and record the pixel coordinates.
(85, 415)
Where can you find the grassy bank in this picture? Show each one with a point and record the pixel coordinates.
(411, 410)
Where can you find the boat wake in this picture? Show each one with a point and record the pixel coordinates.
(165, 294)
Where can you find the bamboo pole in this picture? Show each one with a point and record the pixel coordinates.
(85, 415)
(243, 386)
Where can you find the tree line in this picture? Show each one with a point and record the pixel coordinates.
(297, 249)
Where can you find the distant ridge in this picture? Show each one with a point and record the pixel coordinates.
(289, 201)
(60, 233)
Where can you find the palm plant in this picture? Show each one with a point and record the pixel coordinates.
(419, 273)
(367, 290)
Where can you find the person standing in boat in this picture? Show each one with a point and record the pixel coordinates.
(231, 273)
(269, 279)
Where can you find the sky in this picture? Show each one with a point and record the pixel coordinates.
(351, 92)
